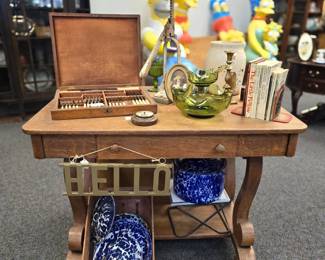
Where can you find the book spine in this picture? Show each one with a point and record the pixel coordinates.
(248, 104)
(274, 79)
(276, 106)
(256, 90)
(278, 95)
(263, 93)
(248, 71)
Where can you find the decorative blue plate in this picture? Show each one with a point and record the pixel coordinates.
(129, 239)
(137, 224)
(124, 248)
(103, 218)
(199, 181)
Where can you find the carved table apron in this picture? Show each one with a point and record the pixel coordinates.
(175, 136)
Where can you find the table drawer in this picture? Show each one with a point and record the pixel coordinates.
(313, 72)
(64, 146)
(314, 86)
(171, 147)
(195, 146)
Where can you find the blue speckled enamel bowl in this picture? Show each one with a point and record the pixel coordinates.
(199, 181)
(103, 218)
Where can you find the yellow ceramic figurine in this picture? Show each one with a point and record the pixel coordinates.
(232, 36)
(271, 37)
(222, 22)
(181, 17)
(159, 14)
(256, 30)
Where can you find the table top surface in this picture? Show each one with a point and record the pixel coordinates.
(170, 122)
(306, 63)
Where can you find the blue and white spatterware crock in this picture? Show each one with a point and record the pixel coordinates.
(199, 181)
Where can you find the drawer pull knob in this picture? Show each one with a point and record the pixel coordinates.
(220, 148)
(114, 148)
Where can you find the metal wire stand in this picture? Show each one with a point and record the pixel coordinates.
(218, 211)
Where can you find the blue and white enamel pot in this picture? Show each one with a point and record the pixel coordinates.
(199, 181)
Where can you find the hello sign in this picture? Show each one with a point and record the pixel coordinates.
(103, 179)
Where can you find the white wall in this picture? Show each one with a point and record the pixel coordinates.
(199, 16)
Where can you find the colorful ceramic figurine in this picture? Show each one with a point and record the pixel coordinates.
(256, 31)
(232, 36)
(271, 37)
(181, 17)
(254, 3)
(222, 22)
(159, 14)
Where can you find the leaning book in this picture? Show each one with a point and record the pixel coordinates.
(267, 68)
(278, 95)
(250, 87)
(273, 84)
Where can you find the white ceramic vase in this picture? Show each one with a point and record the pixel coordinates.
(217, 57)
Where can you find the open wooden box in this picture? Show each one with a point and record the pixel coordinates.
(97, 60)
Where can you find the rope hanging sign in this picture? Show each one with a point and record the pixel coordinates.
(83, 178)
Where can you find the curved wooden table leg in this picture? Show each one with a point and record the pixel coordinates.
(79, 211)
(242, 228)
(230, 178)
(295, 96)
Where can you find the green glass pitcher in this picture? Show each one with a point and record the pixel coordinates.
(197, 93)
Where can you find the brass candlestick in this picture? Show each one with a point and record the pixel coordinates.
(231, 77)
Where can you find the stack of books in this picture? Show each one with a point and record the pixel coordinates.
(264, 89)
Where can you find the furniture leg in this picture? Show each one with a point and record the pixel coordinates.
(242, 228)
(230, 178)
(79, 211)
(295, 96)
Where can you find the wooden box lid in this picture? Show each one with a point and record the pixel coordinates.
(96, 51)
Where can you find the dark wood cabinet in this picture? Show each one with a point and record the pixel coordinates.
(297, 17)
(4, 77)
(26, 40)
(305, 76)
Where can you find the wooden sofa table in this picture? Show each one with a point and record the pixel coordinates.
(174, 136)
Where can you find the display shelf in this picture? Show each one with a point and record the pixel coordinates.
(50, 65)
(39, 81)
(33, 38)
(297, 15)
(30, 98)
(35, 49)
(142, 206)
(163, 230)
(38, 8)
(315, 31)
(315, 14)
